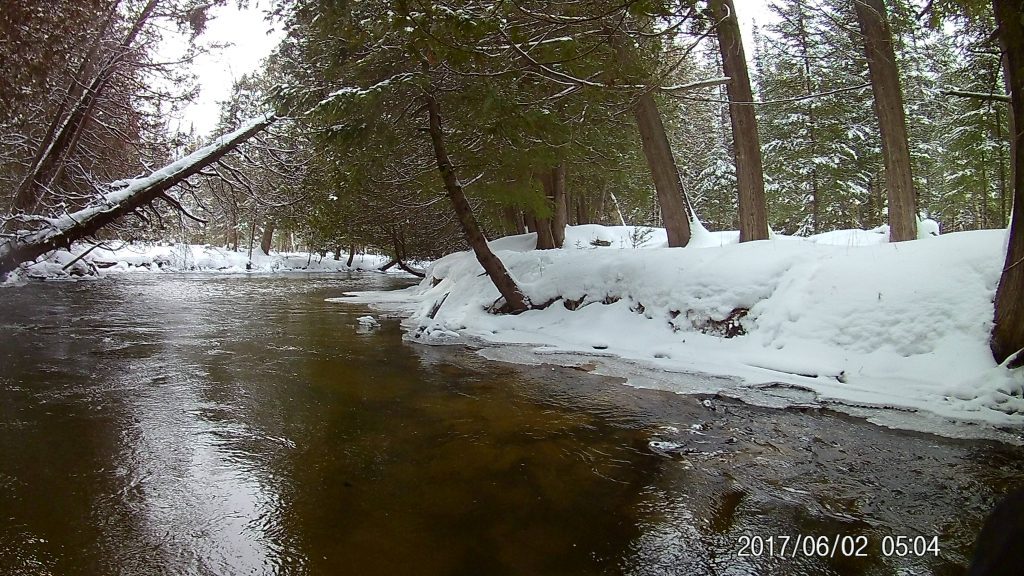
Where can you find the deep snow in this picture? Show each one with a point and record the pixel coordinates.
(175, 257)
(857, 321)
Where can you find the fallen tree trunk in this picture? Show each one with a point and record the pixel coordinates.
(122, 198)
(411, 270)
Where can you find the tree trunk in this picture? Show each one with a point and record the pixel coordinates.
(267, 239)
(515, 300)
(746, 144)
(570, 208)
(121, 201)
(675, 208)
(1002, 170)
(560, 219)
(530, 222)
(337, 252)
(1011, 124)
(514, 217)
(618, 209)
(351, 254)
(561, 208)
(545, 238)
(582, 210)
(545, 229)
(892, 124)
(1008, 328)
(54, 151)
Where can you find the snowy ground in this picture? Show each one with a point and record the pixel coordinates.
(843, 319)
(126, 258)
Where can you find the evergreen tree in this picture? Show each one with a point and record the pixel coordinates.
(821, 159)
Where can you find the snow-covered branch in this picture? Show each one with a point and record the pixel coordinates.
(121, 198)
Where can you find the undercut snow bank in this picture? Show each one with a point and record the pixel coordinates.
(857, 321)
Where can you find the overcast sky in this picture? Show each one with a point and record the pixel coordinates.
(216, 72)
(247, 30)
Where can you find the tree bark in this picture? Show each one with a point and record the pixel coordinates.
(398, 239)
(514, 216)
(675, 208)
(545, 239)
(570, 208)
(582, 210)
(545, 229)
(60, 144)
(1008, 323)
(560, 219)
(132, 196)
(515, 300)
(530, 222)
(553, 181)
(753, 212)
(267, 239)
(351, 254)
(892, 124)
(1011, 123)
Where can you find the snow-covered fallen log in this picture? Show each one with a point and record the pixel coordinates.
(119, 199)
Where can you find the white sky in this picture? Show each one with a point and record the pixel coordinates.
(247, 30)
(751, 12)
(216, 72)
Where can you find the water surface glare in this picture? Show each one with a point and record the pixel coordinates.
(230, 425)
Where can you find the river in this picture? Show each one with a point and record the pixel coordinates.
(230, 425)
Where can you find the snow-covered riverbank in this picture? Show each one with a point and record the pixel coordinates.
(127, 258)
(843, 319)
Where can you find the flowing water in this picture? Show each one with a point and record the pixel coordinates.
(231, 425)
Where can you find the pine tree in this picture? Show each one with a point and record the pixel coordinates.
(821, 159)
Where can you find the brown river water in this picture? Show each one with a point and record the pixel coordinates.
(240, 425)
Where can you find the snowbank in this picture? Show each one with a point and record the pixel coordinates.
(126, 258)
(855, 320)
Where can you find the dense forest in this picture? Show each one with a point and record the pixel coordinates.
(418, 128)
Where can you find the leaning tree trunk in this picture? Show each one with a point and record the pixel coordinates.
(60, 144)
(746, 143)
(121, 201)
(892, 124)
(675, 209)
(351, 254)
(515, 300)
(668, 186)
(1008, 328)
(267, 239)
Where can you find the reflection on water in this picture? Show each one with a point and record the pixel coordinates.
(241, 425)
